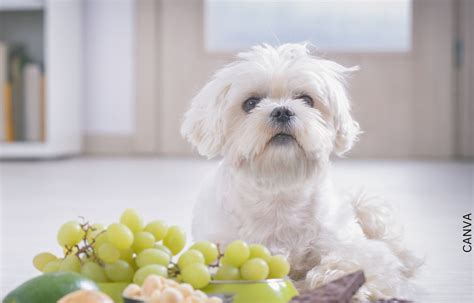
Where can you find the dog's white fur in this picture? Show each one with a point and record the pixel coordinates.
(281, 195)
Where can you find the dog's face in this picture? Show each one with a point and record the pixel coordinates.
(274, 110)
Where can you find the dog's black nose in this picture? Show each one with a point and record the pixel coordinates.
(281, 114)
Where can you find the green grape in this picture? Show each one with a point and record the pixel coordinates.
(197, 275)
(108, 253)
(142, 241)
(119, 235)
(134, 264)
(163, 248)
(227, 272)
(152, 256)
(254, 269)
(126, 255)
(145, 271)
(189, 257)
(237, 253)
(119, 271)
(208, 249)
(100, 239)
(279, 267)
(157, 228)
(94, 272)
(86, 259)
(52, 266)
(224, 261)
(70, 234)
(92, 233)
(40, 260)
(259, 251)
(175, 239)
(71, 263)
(132, 219)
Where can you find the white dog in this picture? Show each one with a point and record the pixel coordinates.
(275, 116)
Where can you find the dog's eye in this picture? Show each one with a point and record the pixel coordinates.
(250, 104)
(306, 99)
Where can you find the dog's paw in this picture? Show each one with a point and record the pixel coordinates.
(369, 292)
(362, 295)
(319, 278)
(328, 272)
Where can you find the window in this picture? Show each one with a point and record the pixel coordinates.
(331, 25)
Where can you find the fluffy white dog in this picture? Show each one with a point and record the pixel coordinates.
(275, 116)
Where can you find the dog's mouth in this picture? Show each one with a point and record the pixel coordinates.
(282, 138)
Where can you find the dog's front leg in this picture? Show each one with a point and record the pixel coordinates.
(382, 269)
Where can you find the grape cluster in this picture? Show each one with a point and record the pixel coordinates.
(240, 261)
(130, 251)
(123, 252)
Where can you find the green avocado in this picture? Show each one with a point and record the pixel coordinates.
(49, 288)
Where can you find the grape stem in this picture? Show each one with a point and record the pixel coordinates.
(173, 270)
(219, 256)
(86, 248)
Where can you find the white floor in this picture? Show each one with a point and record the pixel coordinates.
(36, 197)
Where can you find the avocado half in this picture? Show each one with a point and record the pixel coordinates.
(49, 288)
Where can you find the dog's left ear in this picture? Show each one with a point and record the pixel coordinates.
(347, 134)
(347, 129)
(202, 125)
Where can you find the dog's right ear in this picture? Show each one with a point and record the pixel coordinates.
(203, 125)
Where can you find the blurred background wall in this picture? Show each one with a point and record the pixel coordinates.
(108, 54)
(142, 61)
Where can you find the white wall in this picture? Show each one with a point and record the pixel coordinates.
(109, 107)
(401, 100)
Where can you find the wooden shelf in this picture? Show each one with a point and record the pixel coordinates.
(15, 150)
(22, 149)
(62, 65)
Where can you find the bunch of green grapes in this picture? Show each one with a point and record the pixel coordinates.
(240, 261)
(129, 251)
(123, 252)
